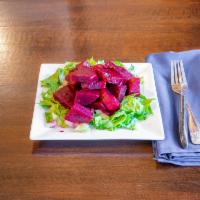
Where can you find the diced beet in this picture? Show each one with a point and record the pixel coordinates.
(86, 96)
(98, 105)
(114, 78)
(82, 74)
(65, 96)
(79, 114)
(109, 75)
(121, 70)
(98, 66)
(110, 64)
(109, 100)
(69, 78)
(134, 86)
(124, 73)
(97, 69)
(118, 91)
(77, 86)
(94, 85)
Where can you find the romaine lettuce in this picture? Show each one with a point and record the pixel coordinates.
(132, 108)
(54, 111)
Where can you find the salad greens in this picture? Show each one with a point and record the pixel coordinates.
(131, 68)
(82, 127)
(118, 63)
(91, 61)
(53, 110)
(132, 108)
(101, 121)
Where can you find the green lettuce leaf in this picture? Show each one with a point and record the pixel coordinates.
(140, 106)
(132, 108)
(121, 119)
(102, 121)
(132, 104)
(82, 127)
(48, 117)
(52, 82)
(54, 111)
(91, 61)
(118, 118)
(118, 63)
(100, 62)
(131, 68)
(68, 67)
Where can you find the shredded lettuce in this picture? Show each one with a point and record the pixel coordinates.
(132, 108)
(131, 68)
(55, 111)
(101, 121)
(118, 63)
(91, 61)
(140, 106)
(100, 62)
(48, 117)
(52, 82)
(82, 127)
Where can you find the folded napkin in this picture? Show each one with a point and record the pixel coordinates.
(169, 150)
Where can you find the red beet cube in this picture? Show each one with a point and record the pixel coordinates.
(86, 97)
(121, 70)
(118, 91)
(109, 75)
(109, 100)
(82, 74)
(98, 105)
(94, 85)
(65, 96)
(79, 114)
(134, 86)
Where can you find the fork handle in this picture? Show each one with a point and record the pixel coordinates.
(183, 133)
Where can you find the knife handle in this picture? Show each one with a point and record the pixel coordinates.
(183, 132)
(193, 125)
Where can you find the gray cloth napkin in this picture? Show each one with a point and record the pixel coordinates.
(169, 150)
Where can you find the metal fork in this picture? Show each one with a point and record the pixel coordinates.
(179, 86)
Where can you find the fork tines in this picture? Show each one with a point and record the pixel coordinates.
(178, 79)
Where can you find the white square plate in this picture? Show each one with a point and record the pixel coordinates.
(150, 129)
